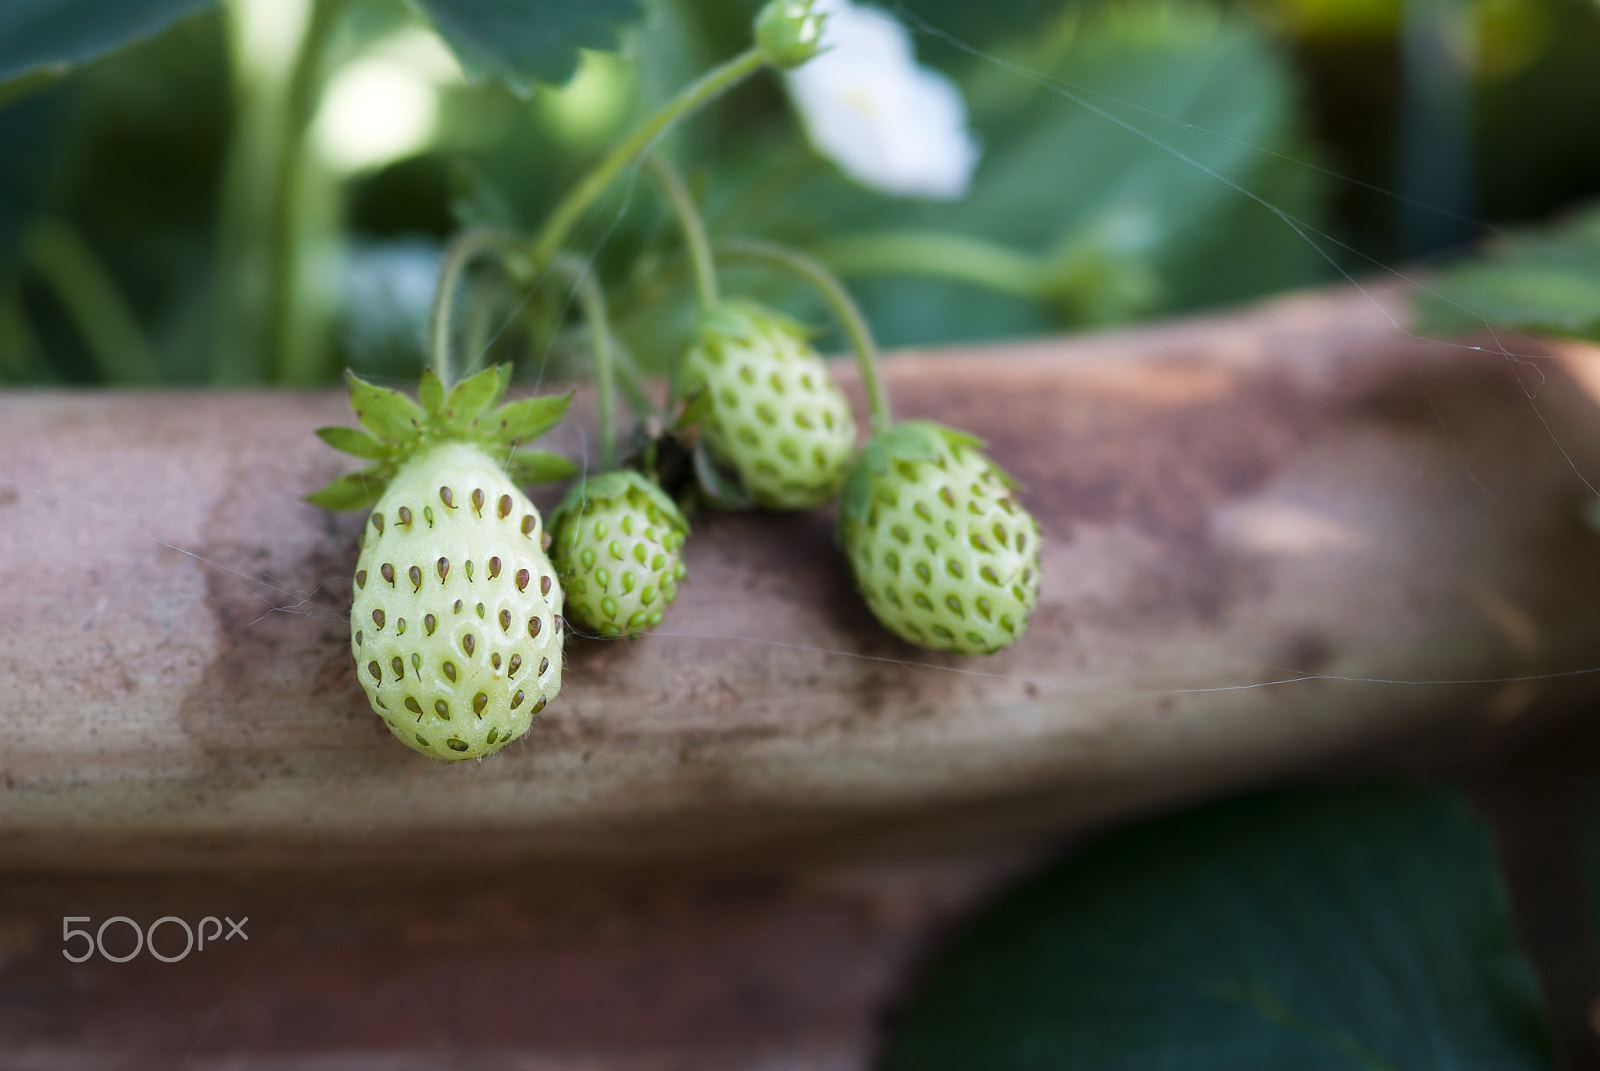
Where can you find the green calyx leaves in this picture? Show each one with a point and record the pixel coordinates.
(398, 428)
(789, 32)
(910, 441)
(611, 485)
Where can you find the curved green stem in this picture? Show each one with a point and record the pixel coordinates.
(693, 227)
(949, 256)
(593, 302)
(844, 308)
(553, 235)
(457, 255)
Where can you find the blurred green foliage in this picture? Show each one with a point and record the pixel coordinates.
(1353, 929)
(210, 205)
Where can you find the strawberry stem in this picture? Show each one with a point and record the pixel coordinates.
(457, 255)
(816, 275)
(553, 235)
(592, 299)
(692, 225)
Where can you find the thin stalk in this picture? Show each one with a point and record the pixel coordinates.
(692, 226)
(816, 275)
(948, 256)
(593, 302)
(461, 251)
(718, 80)
(91, 297)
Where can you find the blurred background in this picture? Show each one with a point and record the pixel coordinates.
(258, 191)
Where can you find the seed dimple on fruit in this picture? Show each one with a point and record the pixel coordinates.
(361, 579)
(494, 568)
(443, 567)
(477, 500)
(538, 706)
(559, 623)
(534, 625)
(481, 611)
(528, 524)
(429, 623)
(377, 618)
(377, 522)
(449, 668)
(469, 643)
(400, 627)
(375, 669)
(456, 609)
(412, 704)
(386, 570)
(516, 700)
(954, 568)
(466, 567)
(989, 575)
(427, 515)
(441, 708)
(503, 509)
(479, 702)
(544, 666)
(494, 659)
(448, 497)
(404, 513)
(360, 638)
(924, 573)
(522, 579)
(544, 585)
(457, 744)
(514, 665)
(505, 620)
(399, 668)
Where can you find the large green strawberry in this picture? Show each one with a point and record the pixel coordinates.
(774, 416)
(940, 548)
(456, 623)
(618, 543)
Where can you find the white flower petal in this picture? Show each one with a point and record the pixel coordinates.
(885, 121)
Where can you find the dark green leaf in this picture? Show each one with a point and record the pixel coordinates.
(53, 36)
(469, 398)
(525, 41)
(388, 414)
(352, 441)
(536, 466)
(356, 490)
(525, 420)
(1353, 930)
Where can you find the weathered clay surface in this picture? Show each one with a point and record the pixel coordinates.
(1300, 491)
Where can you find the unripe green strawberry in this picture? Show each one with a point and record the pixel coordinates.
(456, 623)
(617, 546)
(940, 549)
(774, 416)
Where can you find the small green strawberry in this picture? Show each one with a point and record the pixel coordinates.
(618, 543)
(456, 623)
(774, 416)
(940, 549)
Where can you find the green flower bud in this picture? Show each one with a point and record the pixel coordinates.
(789, 32)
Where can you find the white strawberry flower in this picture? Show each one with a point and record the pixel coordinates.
(887, 122)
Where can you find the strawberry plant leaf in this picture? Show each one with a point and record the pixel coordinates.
(472, 396)
(521, 42)
(388, 414)
(430, 392)
(721, 489)
(40, 39)
(1343, 930)
(352, 491)
(354, 442)
(525, 420)
(537, 466)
